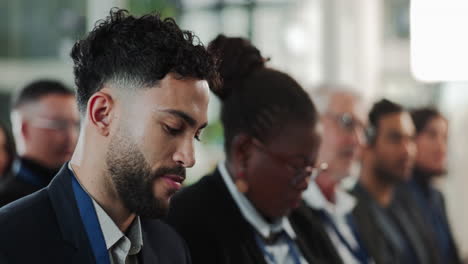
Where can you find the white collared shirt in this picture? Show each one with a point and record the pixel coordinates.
(280, 249)
(344, 205)
(122, 248)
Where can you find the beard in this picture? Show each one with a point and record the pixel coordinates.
(133, 179)
(386, 175)
(429, 172)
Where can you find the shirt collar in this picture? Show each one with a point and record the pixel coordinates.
(250, 213)
(110, 231)
(314, 198)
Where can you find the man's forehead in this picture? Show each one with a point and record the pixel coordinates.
(399, 122)
(53, 105)
(347, 103)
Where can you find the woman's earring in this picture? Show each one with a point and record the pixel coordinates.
(241, 183)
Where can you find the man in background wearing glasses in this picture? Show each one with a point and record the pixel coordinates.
(328, 207)
(45, 124)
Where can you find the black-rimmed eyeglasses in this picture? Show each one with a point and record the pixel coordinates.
(300, 172)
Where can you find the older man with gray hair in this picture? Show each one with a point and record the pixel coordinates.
(328, 207)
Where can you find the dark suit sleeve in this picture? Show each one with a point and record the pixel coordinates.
(3, 259)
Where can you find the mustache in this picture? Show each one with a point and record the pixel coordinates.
(178, 170)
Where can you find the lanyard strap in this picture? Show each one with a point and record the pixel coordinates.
(359, 253)
(91, 223)
(292, 249)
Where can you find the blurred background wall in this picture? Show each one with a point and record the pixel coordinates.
(362, 43)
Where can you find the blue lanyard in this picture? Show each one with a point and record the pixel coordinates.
(91, 223)
(292, 249)
(28, 175)
(359, 253)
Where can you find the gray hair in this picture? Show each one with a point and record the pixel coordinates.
(321, 95)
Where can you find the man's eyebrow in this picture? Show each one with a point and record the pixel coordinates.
(186, 117)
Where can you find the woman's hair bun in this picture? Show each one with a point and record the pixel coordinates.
(237, 58)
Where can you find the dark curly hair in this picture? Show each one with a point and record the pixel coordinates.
(255, 98)
(138, 52)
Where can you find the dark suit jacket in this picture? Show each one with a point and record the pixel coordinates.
(378, 239)
(12, 187)
(209, 220)
(45, 227)
(406, 196)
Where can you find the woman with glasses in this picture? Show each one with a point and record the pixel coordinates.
(238, 214)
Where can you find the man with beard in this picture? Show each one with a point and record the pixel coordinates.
(143, 87)
(328, 207)
(45, 123)
(388, 231)
(422, 199)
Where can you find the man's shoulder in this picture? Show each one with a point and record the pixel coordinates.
(26, 220)
(32, 204)
(12, 189)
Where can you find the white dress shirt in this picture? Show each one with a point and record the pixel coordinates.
(122, 248)
(344, 204)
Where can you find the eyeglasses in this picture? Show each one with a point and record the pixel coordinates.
(55, 124)
(347, 122)
(300, 173)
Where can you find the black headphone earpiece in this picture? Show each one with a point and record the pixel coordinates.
(370, 134)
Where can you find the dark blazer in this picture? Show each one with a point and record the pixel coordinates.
(378, 239)
(209, 220)
(407, 197)
(13, 186)
(45, 227)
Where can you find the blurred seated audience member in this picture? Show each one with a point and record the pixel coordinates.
(45, 122)
(388, 231)
(329, 207)
(238, 214)
(419, 194)
(7, 150)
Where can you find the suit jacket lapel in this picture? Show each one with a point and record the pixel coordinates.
(76, 242)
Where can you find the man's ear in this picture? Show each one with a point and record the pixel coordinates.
(100, 111)
(24, 128)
